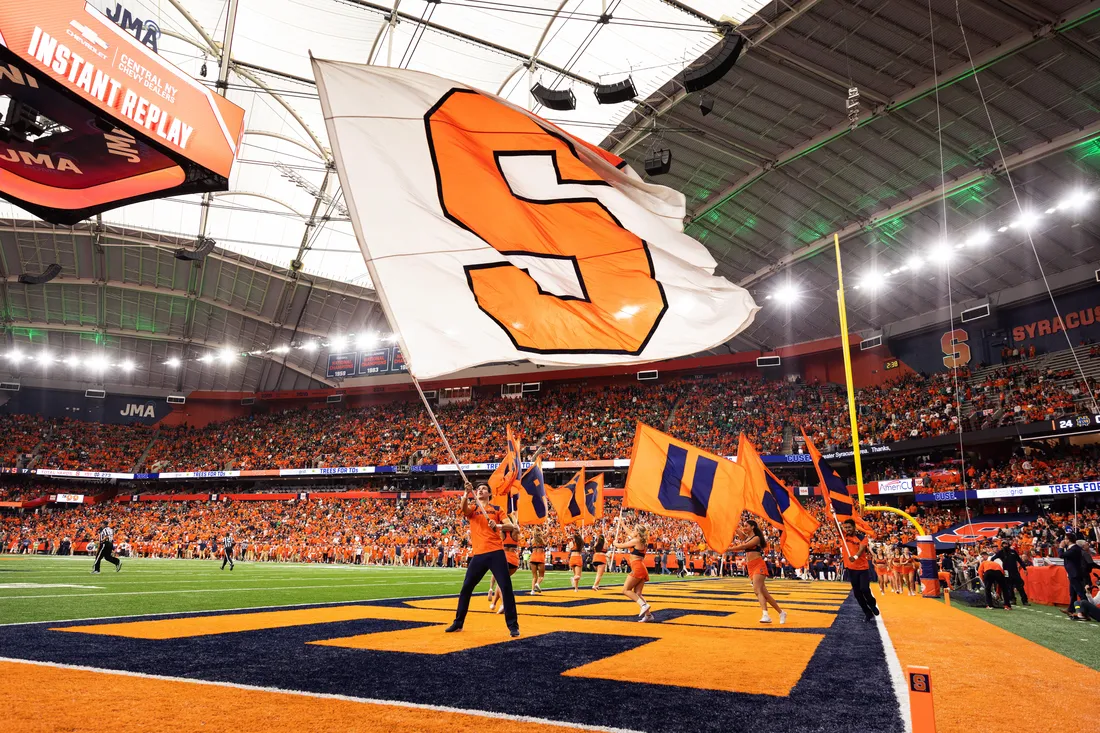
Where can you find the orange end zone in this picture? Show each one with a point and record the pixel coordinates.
(53, 699)
(975, 662)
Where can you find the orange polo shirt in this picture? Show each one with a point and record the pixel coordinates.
(482, 538)
(853, 544)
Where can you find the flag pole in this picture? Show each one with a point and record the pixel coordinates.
(852, 418)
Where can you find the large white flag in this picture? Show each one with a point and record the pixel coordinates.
(492, 235)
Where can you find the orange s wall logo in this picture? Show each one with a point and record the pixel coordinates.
(575, 280)
(956, 352)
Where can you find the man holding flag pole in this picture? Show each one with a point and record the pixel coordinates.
(854, 531)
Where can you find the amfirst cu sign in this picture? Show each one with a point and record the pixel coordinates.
(96, 119)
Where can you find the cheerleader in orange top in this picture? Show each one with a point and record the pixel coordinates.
(636, 580)
(908, 569)
(538, 559)
(599, 558)
(754, 548)
(576, 559)
(896, 572)
(881, 569)
(510, 538)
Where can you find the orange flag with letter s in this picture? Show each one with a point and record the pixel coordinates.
(676, 479)
(768, 498)
(567, 500)
(838, 501)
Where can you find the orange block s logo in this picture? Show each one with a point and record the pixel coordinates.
(956, 352)
(575, 280)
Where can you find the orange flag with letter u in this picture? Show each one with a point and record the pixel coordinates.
(769, 499)
(675, 479)
(567, 500)
(491, 234)
(592, 506)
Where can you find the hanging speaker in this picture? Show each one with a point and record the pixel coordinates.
(42, 278)
(559, 99)
(703, 76)
(617, 93)
(706, 105)
(202, 248)
(658, 162)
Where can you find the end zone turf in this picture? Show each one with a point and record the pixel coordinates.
(583, 659)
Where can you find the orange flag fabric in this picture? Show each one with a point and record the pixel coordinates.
(769, 499)
(567, 500)
(533, 507)
(592, 506)
(835, 491)
(502, 481)
(675, 479)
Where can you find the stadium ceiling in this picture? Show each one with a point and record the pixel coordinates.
(769, 174)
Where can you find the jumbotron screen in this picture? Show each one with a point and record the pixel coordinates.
(92, 119)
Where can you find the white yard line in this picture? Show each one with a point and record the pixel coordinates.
(897, 677)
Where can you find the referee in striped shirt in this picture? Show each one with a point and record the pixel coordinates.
(227, 551)
(106, 549)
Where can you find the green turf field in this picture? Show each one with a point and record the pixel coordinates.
(1047, 625)
(37, 588)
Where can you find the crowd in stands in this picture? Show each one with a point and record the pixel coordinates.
(568, 421)
(19, 436)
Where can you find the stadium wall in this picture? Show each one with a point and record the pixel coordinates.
(1021, 326)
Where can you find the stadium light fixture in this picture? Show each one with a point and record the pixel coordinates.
(979, 238)
(1075, 201)
(367, 340)
(787, 294)
(205, 358)
(73, 362)
(1026, 221)
(339, 343)
(97, 364)
(281, 349)
(227, 355)
(15, 356)
(173, 362)
(915, 263)
(310, 346)
(127, 366)
(941, 254)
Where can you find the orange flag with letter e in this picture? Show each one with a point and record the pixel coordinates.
(675, 479)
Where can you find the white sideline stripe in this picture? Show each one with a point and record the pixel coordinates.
(329, 696)
(209, 590)
(897, 677)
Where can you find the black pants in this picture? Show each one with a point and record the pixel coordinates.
(1012, 584)
(106, 552)
(995, 578)
(1077, 591)
(861, 588)
(227, 557)
(490, 562)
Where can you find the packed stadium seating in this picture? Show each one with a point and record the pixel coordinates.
(569, 421)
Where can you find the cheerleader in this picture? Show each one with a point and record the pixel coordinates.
(538, 559)
(636, 580)
(576, 559)
(754, 548)
(897, 573)
(909, 571)
(881, 570)
(509, 536)
(599, 559)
